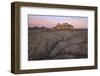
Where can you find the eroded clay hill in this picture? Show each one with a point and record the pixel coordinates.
(44, 45)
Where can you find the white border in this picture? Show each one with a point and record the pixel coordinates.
(25, 64)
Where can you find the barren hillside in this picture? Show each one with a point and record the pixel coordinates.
(47, 45)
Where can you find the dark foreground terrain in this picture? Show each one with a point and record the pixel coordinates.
(47, 45)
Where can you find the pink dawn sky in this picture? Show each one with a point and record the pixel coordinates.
(51, 21)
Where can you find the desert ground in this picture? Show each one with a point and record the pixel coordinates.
(57, 44)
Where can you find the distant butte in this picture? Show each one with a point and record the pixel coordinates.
(63, 26)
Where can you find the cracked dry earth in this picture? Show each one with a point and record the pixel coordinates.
(48, 45)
